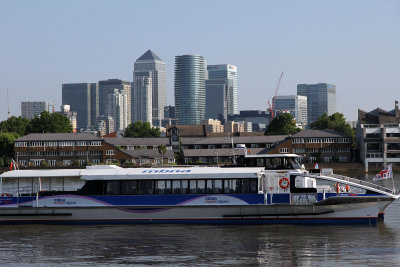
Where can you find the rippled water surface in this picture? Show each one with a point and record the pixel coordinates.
(197, 245)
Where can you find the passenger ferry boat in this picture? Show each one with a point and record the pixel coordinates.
(267, 189)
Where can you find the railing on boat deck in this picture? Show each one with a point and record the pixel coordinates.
(357, 181)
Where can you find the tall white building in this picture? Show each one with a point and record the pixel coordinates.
(151, 66)
(117, 107)
(226, 71)
(295, 104)
(31, 109)
(142, 95)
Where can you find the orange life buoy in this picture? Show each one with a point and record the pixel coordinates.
(337, 188)
(347, 188)
(284, 183)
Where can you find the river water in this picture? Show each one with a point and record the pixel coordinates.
(204, 245)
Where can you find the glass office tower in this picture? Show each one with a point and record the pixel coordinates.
(190, 89)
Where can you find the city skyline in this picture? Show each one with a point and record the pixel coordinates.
(354, 46)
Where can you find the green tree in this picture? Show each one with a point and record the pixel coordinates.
(283, 124)
(50, 123)
(139, 129)
(7, 147)
(336, 122)
(14, 124)
(162, 149)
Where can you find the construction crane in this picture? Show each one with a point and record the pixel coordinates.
(271, 107)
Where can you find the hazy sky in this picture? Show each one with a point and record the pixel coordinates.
(352, 44)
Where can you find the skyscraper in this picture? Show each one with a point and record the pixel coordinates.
(321, 98)
(107, 87)
(227, 72)
(149, 65)
(83, 98)
(217, 98)
(31, 109)
(142, 95)
(295, 104)
(117, 108)
(190, 89)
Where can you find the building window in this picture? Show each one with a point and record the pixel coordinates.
(22, 162)
(96, 152)
(65, 143)
(284, 150)
(81, 143)
(299, 150)
(110, 152)
(327, 159)
(343, 149)
(327, 150)
(298, 140)
(197, 147)
(312, 159)
(342, 159)
(171, 160)
(21, 144)
(188, 160)
(37, 162)
(343, 140)
(95, 143)
(51, 143)
(95, 161)
(52, 163)
(36, 144)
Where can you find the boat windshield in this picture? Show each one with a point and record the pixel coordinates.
(272, 163)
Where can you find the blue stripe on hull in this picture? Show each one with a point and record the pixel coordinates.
(298, 221)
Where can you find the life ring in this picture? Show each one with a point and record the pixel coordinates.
(5, 195)
(284, 183)
(347, 188)
(337, 188)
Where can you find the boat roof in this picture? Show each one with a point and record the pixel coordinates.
(109, 172)
(273, 156)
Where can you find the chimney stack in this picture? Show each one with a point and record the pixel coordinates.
(396, 107)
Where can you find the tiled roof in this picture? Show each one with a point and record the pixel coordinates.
(188, 130)
(236, 140)
(59, 137)
(327, 133)
(137, 141)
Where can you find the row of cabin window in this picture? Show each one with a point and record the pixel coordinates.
(165, 187)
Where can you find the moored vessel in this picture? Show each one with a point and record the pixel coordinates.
(266, 189)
